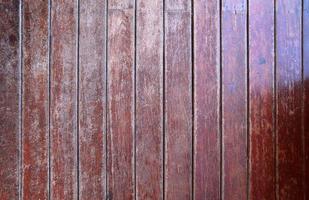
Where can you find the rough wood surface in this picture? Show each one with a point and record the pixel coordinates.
(120, 138)
(262, 175)
(149, 99)
(178, 101)
(35, 100)
(234, 99)
(9, 99)
(206, 99)
(92, 91)
(63, 108)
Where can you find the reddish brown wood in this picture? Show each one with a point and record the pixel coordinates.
(35, 100)
(64, 99)
(234, 96)
(149, 104)
(206, 99)
(92, 99)
(261, 93)
(178, 101)
(120, 89)
(289, 76)
(9, 99)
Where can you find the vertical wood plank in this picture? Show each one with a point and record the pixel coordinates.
(35, 100)
(9, 99)
(206, 99)
(234, 96)
(92, 99)
(261, 94)
(178, 101)
(289, 77)
(149, 104)
(64, 99)
(120, 136)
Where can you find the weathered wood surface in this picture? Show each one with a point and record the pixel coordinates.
(120, 135)
(9, 99)
(149, 99)
(92, 93)
(35, 98)
(290, 156)
(234, 99)
(262, 174)
(207, 99)
(63, 105)
(178, 100)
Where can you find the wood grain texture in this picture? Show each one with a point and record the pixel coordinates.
(206, 99)
(63, 100)
(149, 99)
(262, 175)
(178, 101)
(289, 76)
(35, 100)
(234, 96)
(120, 89)
(92, 99)
(9, 99)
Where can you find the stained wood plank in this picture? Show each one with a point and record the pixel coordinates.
(234, 96)
(120, 89)
(289, 137)
(178, 101)
(149, 99)
(63, 100)
(9, 99)
(206, 99)
(35, 100)
(261, 95)
(92, 99)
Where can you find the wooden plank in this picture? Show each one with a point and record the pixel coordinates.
(261, 100)
(92, 99)
(149, 101)
(234, 96)
(206, 99)
(35, 100)
(289, 77)
(9, 99)
(120, 135)
(63, 109)
(178, 101)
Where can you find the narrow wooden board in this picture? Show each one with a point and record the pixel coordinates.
(9, 99)
(289, 100)
(92, 92)
(234, 99)
(35, 100)
(178, 101)
(262, 175)
(149, 99)
(63, 108)
(120, 135)
(207, 99)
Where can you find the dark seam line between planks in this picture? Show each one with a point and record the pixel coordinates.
(275, 103)
(77, 96)
(221, 106)
(163, 109)
(20, 97)
(248, 98)
(106, 96)
(49, 99)
(134, 100)
(192, 100)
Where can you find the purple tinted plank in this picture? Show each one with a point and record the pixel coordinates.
(234, 96)
(206, 99)
(289, 77)
(63, 100)
(92, 99)
(261, 77)
(120, 135)
(149, 105)
(9, 99)
(35, 100)
(178, 102)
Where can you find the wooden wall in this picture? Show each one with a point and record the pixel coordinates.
(154, 99)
